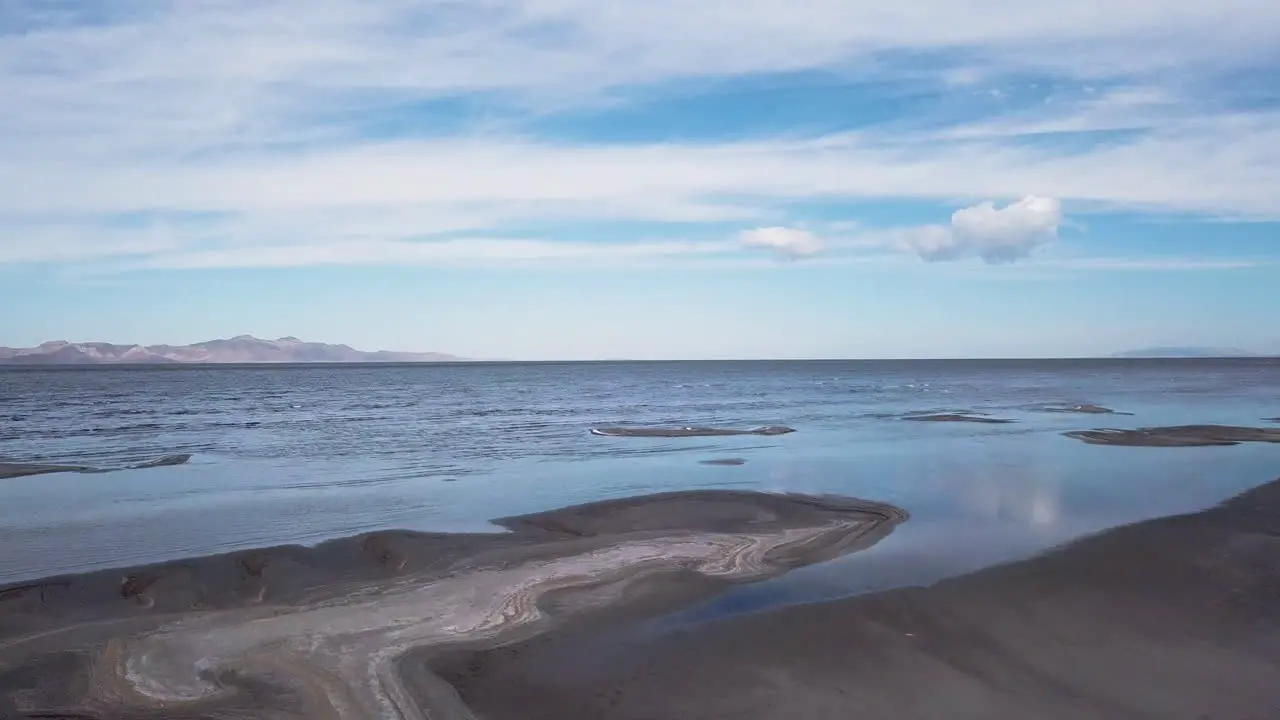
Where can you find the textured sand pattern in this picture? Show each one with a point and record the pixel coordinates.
(320, 632)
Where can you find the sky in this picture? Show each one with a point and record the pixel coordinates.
(598, 179)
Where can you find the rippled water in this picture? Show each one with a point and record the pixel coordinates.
(301, 453)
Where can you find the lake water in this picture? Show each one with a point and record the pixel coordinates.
(303, 453)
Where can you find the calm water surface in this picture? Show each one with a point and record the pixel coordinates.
(304, 453)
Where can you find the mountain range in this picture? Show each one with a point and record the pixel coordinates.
(239, 349)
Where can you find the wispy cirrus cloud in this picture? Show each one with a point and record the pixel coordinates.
(448, 252)
(1171, 264)
(179, 134)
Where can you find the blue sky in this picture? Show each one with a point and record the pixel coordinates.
(580, 179)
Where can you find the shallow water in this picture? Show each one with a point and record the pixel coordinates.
(303, 453)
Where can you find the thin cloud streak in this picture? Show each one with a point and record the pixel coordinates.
(227, 125)
(1172, 264)
(454, 252)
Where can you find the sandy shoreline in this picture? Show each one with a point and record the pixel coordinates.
(324, 632)
(1169, 618)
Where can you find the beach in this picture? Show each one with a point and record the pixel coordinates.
(638, 540)
(323, 632)
(639, 360)
(1168, 618)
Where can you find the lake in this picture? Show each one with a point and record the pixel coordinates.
(298, 454)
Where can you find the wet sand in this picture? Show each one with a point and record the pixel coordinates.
(1177, 436)
(1170, 618)
(17, 470)
(338, 630)
(1082, 408)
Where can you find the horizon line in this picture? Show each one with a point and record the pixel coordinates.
(601, 361)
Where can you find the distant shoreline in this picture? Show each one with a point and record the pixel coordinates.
(7, 364)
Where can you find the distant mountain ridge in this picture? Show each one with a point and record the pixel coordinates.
(1186, 352)
(239, 349)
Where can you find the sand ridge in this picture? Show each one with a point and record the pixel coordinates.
(1177, 436)
(1174, 618)
(295, 632)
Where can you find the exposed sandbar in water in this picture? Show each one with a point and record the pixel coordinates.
(1177, 436)
(320, 632)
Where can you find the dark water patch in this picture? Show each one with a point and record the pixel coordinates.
(727, 462)
(125, 412)
(193, 411)
(132, 428)
(659, 432)
(1082, 408)
(1177, 436)
(228, 424)
(382, 406)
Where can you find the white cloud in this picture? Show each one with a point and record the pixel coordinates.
(997, 235)
(245, 115)
(787, 243)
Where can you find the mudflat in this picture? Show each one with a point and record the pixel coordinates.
(957, 417)
(337, 630)
(1082, 408)
(1177, 436)
(16, 469)
(679, 432)
(1171, 618)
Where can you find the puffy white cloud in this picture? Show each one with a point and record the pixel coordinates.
(788, 243)
(997, 235)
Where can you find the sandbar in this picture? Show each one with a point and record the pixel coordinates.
(666, 432)
(1174, 618)
(1082, 408)
(339, 630)
(957, 417)
(1177, 436)
(15, 470)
